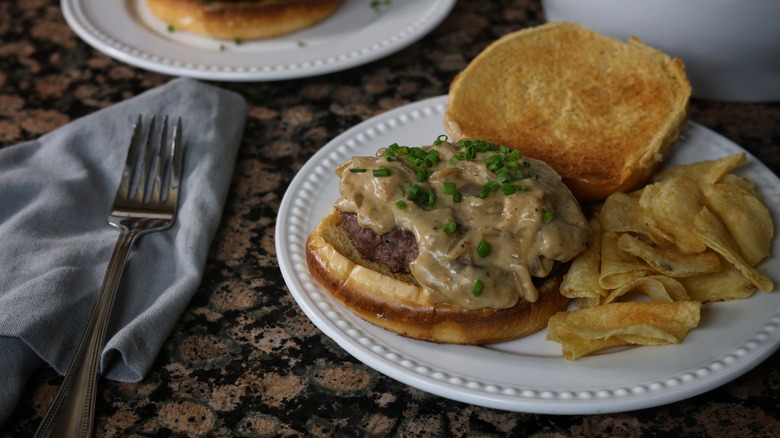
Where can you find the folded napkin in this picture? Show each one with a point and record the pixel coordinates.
(55, 241)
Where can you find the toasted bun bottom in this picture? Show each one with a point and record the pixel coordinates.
(395, 303)
(242, 20)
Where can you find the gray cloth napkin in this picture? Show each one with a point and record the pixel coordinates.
(55, 241)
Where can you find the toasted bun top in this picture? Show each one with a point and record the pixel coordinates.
(601, 112)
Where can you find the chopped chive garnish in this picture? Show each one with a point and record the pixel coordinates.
(450, 227)
(504, 177)
(432, 158)
(397, 149)
(483, 249)
(494, 161)
(413, 191)
(400, 204)
(382, 171)
(505, 163)
(477, 288)
(417, 153)
(548, 214)
(491, 186)
(171, 28)
(430, 200)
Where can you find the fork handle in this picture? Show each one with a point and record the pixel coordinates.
(72, 412)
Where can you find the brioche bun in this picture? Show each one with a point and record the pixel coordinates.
(601, 112)
(243, 20)
(395, 302)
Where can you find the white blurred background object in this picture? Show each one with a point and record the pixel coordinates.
(731, 48)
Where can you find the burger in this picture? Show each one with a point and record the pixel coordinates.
(461, 243)
(243, 19)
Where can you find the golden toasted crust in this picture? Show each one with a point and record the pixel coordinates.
(395, 303)
(243, 20)
(601, 112)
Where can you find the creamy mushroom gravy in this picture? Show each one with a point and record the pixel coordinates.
(526, 231)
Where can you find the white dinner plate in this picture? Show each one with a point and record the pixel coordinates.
(355, 34)
(529, 374)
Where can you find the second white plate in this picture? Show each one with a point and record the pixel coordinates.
(356, 34)
(528, 374)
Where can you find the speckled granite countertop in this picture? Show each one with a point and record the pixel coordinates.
(244, 360)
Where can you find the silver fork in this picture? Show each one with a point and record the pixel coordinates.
(140, 206)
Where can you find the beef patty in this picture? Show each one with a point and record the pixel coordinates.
(395, 249)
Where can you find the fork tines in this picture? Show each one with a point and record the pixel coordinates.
(147, 157)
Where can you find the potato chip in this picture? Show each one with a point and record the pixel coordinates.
(574, 346)
(714, 233)
(693, 236)
(585, 331)
(582, 278)
(703, 172)
(746, 218)
(741, 182)
(585, 302)
(657, 288)
(620, 213)
(726, 284)
(670, 205)
(669, 260)
(617, 266)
